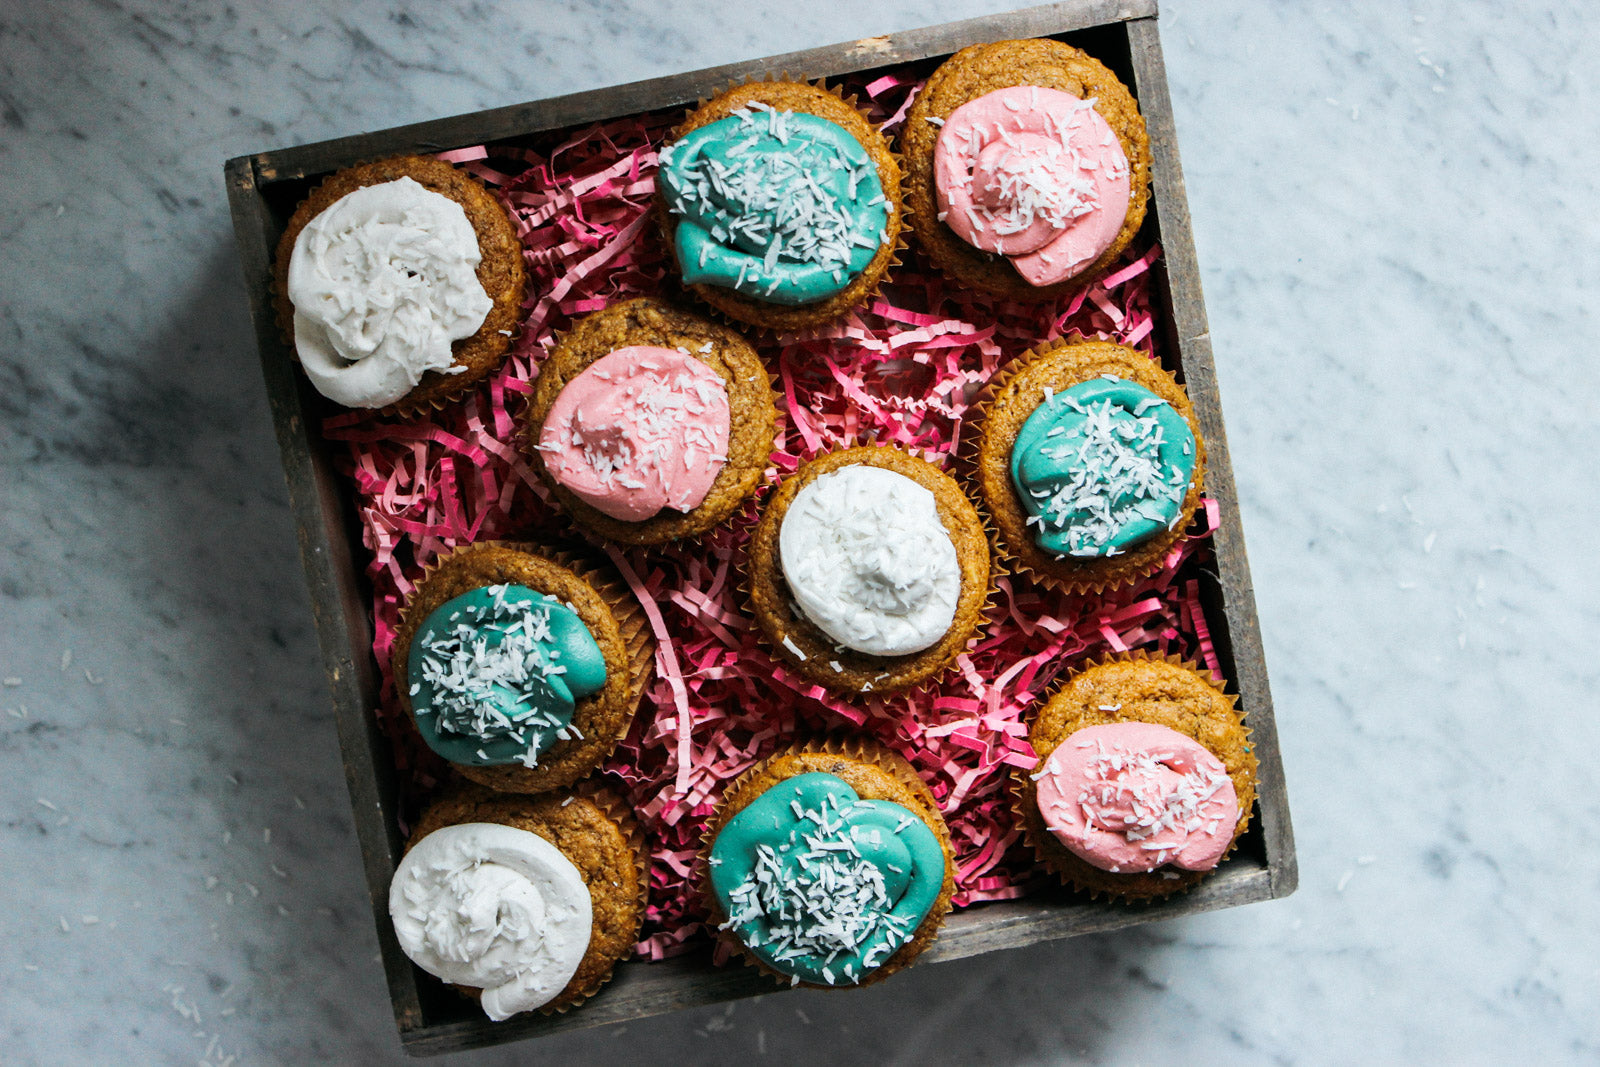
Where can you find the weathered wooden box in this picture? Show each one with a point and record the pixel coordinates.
(263, 190)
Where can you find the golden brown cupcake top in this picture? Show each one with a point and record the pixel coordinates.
(621, 457)
(1020, 160)
(780, 204)
(377, 307)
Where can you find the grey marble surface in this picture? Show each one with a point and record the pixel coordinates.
(1395, 208)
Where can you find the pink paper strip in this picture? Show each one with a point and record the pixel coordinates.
(904, 369)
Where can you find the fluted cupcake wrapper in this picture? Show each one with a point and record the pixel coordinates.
(637, 648)
(500, 330)
(1074, 873)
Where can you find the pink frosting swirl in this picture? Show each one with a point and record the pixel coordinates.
(1034, 174)
(641, 429)
(1132, 796)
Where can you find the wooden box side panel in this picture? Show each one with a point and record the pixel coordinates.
(575, 109)
(325, 527)
(1230, 597)
(644, 989)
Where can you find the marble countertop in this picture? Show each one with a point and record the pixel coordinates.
(1395, 209)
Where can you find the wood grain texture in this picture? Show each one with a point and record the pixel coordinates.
(1187, 319)
(325, 528)
(555, 112)
(640, 990)
(262, 189)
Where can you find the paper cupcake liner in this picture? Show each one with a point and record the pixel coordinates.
(960, 260)
(613, 808)
(1054, 857)
(632, 623)
(741, 310)
(610, 807)
(503, 323)
(861, 751)
(1104, 574)
(801, 663)
(634, 634)
(647, 532)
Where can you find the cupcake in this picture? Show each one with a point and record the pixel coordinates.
(1089, 463)
(829, 867)
(399, 283)
(1145, 778)
(868, 571)
(523, 903)
(651, 423)
(521, 671)
(780, 204)
(1028, 168)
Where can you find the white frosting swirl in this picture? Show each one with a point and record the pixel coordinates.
(869, 561)
(382, 281)
(493, 907)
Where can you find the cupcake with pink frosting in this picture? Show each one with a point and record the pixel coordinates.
(1145, 778)
(1028, 167)
(650, 423)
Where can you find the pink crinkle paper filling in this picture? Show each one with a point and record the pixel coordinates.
(905, 370)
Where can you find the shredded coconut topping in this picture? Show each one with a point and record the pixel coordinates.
(869, 561)
(1135, 796)
(1025, 173)
(469, 672)
(1116, 476)
(641, 429)
(828, 902)
(781, 192)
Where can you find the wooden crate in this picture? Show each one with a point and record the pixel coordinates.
(264, 188)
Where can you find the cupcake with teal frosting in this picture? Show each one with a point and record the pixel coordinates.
(1090, 464)
(829, 867)
(780, 204)
(521, 671)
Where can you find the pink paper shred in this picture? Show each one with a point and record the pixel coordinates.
(903, 370)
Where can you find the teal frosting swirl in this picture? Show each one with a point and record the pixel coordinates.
(781, 206)
(822, 885)
(1102, 467)
(495, 675)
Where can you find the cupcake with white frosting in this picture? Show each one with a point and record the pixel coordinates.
(524, 903)
(868, 571)
(400, 284)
